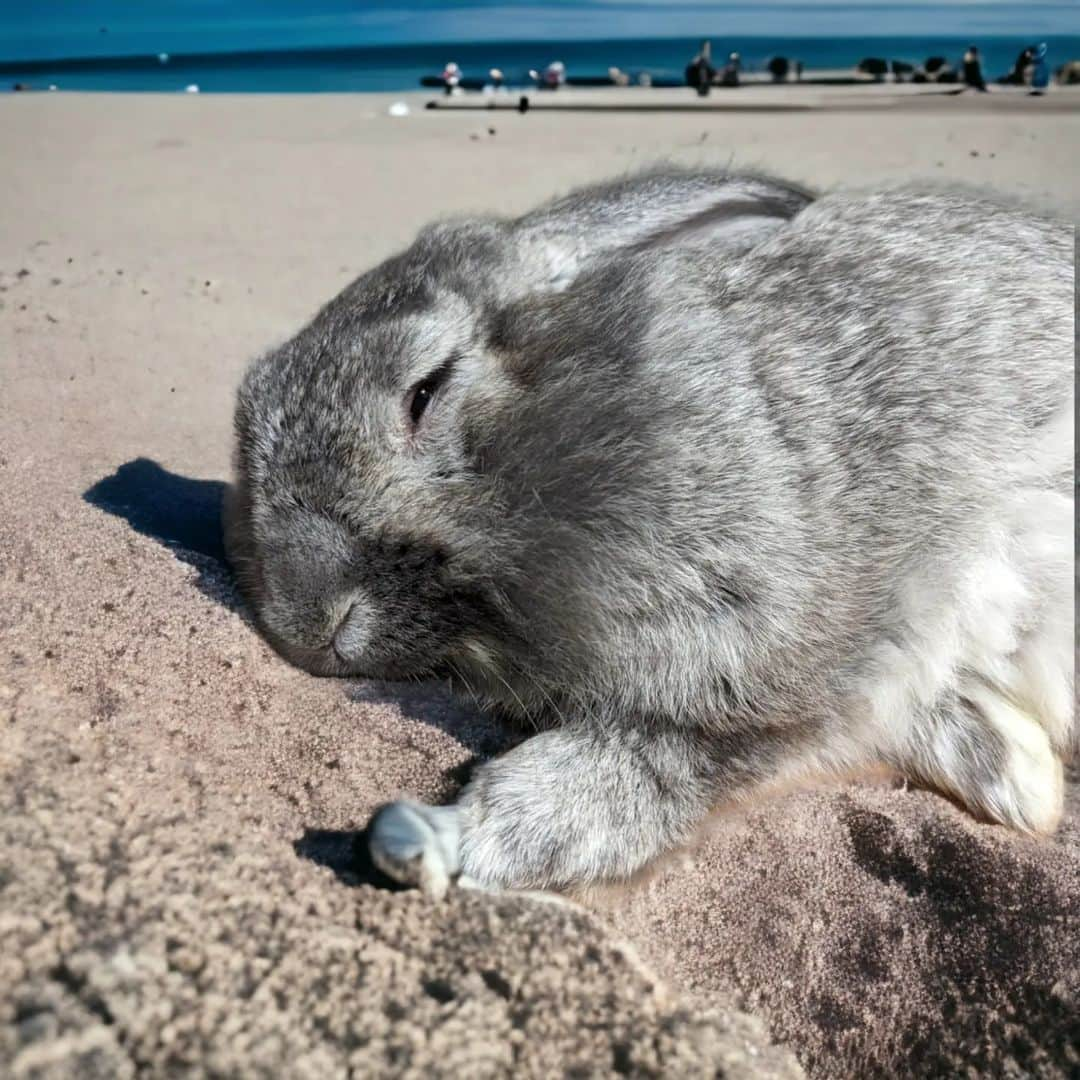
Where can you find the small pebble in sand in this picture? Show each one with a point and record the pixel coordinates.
(491, 131)
(23, 273)
(55, 281)
(974, 153)
(51, 318)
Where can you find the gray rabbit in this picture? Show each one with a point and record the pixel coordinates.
(720, 486)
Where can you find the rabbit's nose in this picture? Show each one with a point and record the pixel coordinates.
(353, 633)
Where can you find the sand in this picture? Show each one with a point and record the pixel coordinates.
(179, 807)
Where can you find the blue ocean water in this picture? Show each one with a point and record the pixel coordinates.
(400, 67)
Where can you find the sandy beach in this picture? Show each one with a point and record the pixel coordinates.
(177, 887)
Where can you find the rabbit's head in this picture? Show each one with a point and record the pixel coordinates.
(381, 521)
(355, 515)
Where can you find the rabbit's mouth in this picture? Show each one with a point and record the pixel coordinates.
(336, 660)
(324, 661)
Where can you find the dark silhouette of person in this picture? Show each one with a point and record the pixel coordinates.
(973, 75)
(779, 66)
(1019, 74)
(700, 72)
(1040, 70)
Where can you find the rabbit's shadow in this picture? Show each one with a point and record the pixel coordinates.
(182, 514)
(346, 852)
(185, 516)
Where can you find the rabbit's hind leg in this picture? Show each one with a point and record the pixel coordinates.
(983, 748)
(995, 728)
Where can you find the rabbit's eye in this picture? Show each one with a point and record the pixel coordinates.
(422, 395)
(426, 389)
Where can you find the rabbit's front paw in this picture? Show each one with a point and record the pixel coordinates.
(417, 844)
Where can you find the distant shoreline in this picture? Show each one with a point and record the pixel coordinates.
(371, 69)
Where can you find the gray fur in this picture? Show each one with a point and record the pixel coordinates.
(725, 487)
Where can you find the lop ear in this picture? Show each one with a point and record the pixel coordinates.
(722, 212)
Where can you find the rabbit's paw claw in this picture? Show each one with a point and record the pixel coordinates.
(417, 844)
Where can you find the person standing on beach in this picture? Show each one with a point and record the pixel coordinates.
(730, 75)
(973, 76)
(700, 72)
(554, 75)
(451, 77)
(1019, 74)
(1040, 71)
